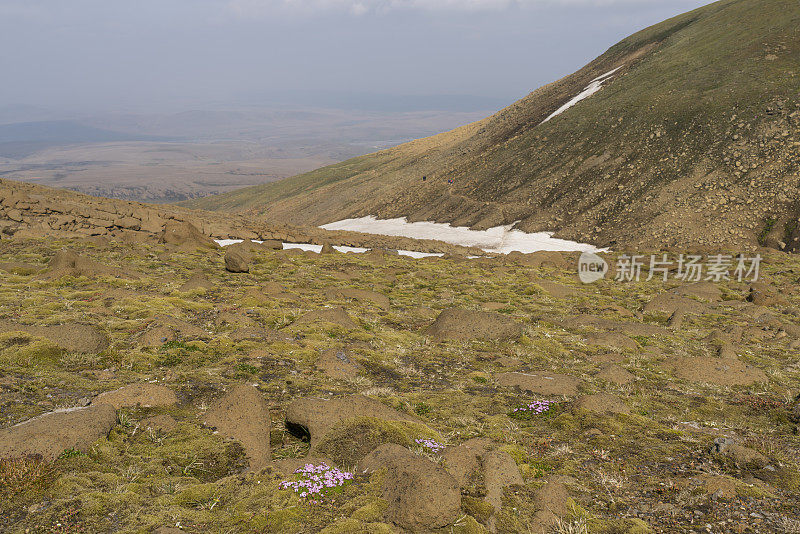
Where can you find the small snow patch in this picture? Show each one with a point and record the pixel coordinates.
(594, 86)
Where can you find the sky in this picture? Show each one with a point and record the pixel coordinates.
(169, 55)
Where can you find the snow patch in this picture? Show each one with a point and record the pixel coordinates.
(500, 239)
(594, 86)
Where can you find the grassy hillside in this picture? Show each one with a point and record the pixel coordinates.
(695, 140)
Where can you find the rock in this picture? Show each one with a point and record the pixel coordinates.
(243, 415)
(144, 395)
(327, 248)
(337, 364)
(541, 383)
(420, 495)
(316, 417)
(719, 371)
(762, 294)
(71, 337)
(49, 435)
(272, 244)
(195, 282)
(159, 423)
(185, 236)
(237, 260)
(602, 403)
(499, 472)
(465, 325)
(615, 374)
(336, 316)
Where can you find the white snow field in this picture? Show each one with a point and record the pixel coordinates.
(318, 248)
(500, 239)
(594, 86)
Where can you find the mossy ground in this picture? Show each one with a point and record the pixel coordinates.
(628, 470)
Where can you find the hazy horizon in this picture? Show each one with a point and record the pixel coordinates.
(90, 56)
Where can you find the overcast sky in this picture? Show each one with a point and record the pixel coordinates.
(139, 55)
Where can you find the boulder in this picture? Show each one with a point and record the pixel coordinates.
(465, 325)
(237, 260)
(144, 395)
(51, 434)
(242, 414)
(420, 494)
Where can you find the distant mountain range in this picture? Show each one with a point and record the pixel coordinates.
(694, 139)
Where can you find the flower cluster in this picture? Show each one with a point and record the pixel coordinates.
(430, 445)
(316, 480)
(525, 411)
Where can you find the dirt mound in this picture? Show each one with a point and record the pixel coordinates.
(197, 281)
(237, 259)
(68, 263)
(185, 236)
(420, 494)
(159, 423)
(615, 374)
(336, 316)
(156, 336)
(243, 415)
(72, 337)
(551, 503)
(337, 364)
(762, 294)
(316, 417)
(542, 383)
(701, 290)
(327, 248)
(611, 340)
(719, 371)
(465, 325)
(20, 268)
(602, 403)
(630, 328)
(557, 290)
(51, 434)
(144, 395)
(668, 303)
(379, 300)
(480, 461)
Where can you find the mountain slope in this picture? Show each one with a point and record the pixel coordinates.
(694, 140)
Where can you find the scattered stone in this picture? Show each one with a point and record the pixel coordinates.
(71, 337)
(602, 403)
(243, 415)
(465, 325)
(51, 434)
(540, 383)
(144, 395)
(420, 494)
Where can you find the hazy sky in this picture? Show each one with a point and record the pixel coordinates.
(175, 54)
